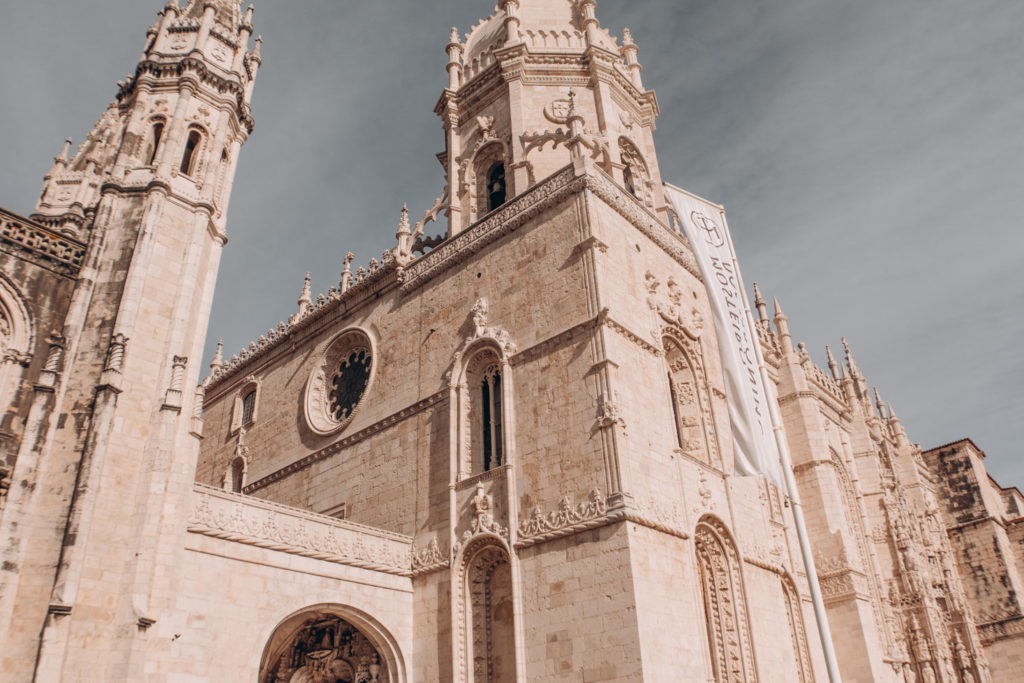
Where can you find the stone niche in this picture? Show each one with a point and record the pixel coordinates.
(321, 648)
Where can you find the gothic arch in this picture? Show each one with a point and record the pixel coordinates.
(797, 630)
(691, 395)
(485, 631)
(858, 532)
(492, 151)
(193, 151)
(154, 134)
(481, 371)
(636, 174)
(331, 637)
(17, 339)
(719, 568)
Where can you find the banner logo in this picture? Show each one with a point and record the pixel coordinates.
(712, 233)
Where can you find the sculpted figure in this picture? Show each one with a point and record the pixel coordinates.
(482, 505)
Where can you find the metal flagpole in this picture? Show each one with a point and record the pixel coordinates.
(787, 473)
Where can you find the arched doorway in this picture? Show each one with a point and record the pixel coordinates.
(327, 644)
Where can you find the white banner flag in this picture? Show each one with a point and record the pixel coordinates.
(753, 441)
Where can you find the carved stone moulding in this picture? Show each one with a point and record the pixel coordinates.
(339, 381)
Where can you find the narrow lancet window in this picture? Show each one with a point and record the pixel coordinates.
(491, 419)
(496, 188)
(158, 133)
(188, 158)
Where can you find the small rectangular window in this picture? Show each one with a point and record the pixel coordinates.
(248, 407)
(338, 511)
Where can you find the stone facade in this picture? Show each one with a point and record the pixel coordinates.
(986, 526)
(499, 453)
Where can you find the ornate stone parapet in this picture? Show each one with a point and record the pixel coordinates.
(251, 521)
(35, 243)
(567, 519)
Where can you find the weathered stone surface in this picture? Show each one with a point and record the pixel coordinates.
(502, 452)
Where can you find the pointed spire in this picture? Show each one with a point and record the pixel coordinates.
(629, 52)
(257, 50)
(403, 252)
(782, 325)
(759, 302)
(218, 357)
(62, 158)
(346, 274)
(403, 223)
(305, 298)
(879, 403)
(575, 121)
(854, 370)
(833, 366)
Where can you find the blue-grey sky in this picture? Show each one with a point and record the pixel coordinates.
(869, 154)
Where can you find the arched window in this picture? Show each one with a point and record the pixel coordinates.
(635, 174)
(189, 157)
(686, 403)
(627, 180)
(154, 143)
(17, 340)
(490, 647)
(248, 407)
(484, 419)
(496, 187)
(725, 603)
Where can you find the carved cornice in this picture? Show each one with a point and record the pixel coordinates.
(347, 442)
(630, 208)
(566, 520)
(429, 560)
(322, 309)
(32, 242)
(240, 519)
(1011, 627)
(534, 201)
(493, 227)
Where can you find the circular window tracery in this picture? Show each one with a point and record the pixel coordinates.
(349, 383)
(339, 382)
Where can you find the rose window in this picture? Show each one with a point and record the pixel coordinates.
(339, 382)
(349, 383)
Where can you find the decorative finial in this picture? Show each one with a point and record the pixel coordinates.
(854, 370)
(778, 308)
(306, 297)
(257, 50)
(627, 37)
(346, 274)
(63, 157)
(453, 39)
(879, 403)
(762, 309)
(218, 357)
(833, 366)
(403, 224)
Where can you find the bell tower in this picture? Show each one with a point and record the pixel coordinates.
(533, 85)
(109, 449)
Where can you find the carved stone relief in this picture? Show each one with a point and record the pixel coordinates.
(725, 605)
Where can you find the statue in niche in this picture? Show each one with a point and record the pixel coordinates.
(483, 504)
